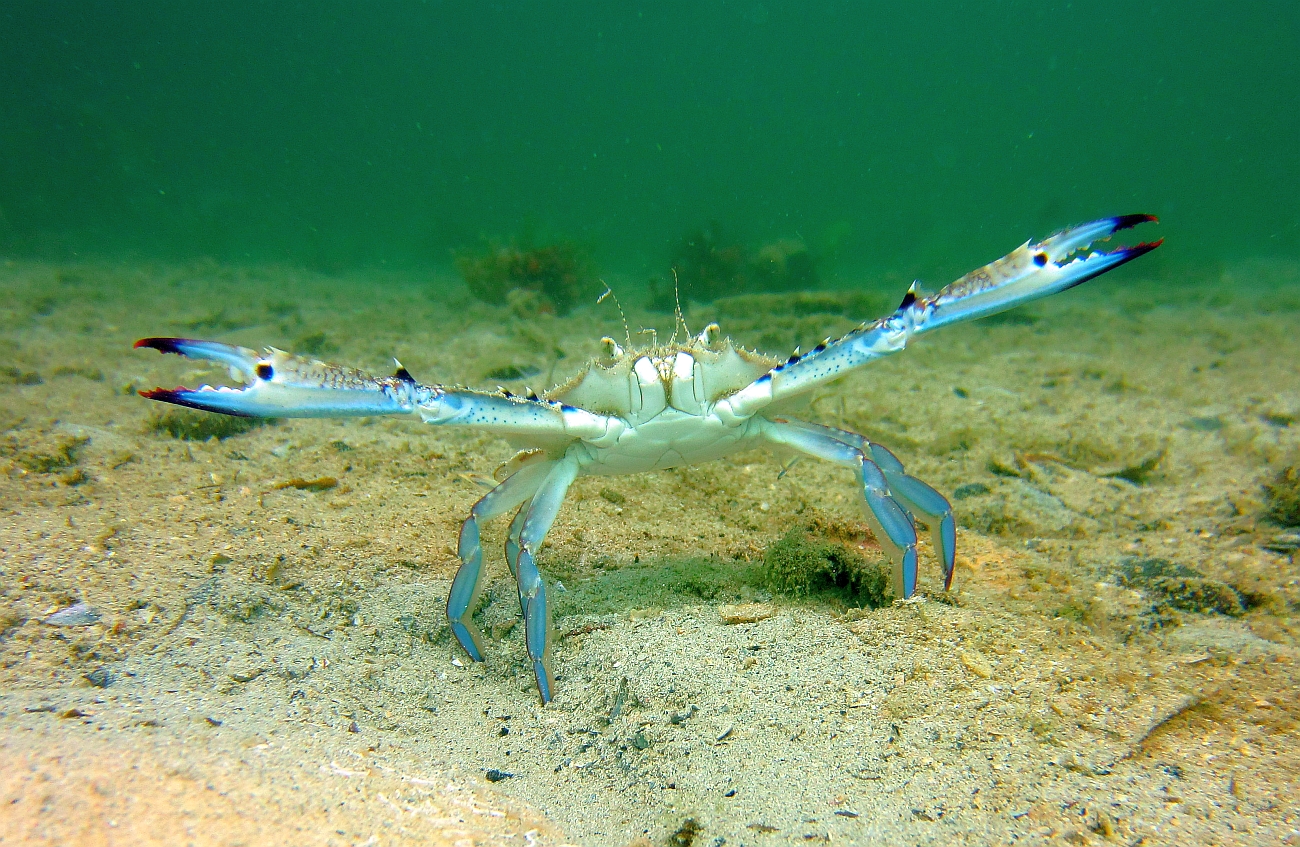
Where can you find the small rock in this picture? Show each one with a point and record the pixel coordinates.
(323, 483)
(1136, 472)
(1203, 424)
(100, 678)
(495, 775)
(746, 612)
(686, 833)
(976, 664)
(80, 614)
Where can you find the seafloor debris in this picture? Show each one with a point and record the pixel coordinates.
(1282, 496)
(1180, 587)
(708, 265)
(746, 612)
(320, 483)
(511, 373)
(798, 564)
(41, 453)
(562, 273)
(202, 426)
(314, 344)
(1284, 542)
(78, 614)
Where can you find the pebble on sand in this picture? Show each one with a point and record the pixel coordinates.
(746, 612)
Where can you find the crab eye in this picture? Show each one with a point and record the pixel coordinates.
(264, 370)
(1040, 259)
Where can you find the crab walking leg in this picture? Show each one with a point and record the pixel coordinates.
(532, 589)
(888, 520)
(917, 497)
(512, 543)
(467, 586)
(932, 508)
(512, 552)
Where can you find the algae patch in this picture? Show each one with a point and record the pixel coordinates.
(1282, 497)
(201, 426)
(43, 454)
(1180, 587)
(800, 565)
(661, 584)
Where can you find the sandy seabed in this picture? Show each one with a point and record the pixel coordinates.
(261, 661)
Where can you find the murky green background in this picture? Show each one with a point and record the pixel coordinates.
(917, 138)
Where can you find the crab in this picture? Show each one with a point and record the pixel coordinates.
(637, 410)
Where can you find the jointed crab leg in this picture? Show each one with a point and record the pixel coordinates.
(922, 501)
(467, 585)
(917, 498)
(891, 524)
(512, 545)
(532, 589)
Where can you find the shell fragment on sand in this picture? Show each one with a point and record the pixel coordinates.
(746, 612)
(79, 614)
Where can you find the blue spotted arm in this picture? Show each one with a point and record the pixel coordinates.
(280, 385)
(1032, 271)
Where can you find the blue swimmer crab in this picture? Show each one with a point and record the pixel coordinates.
(636, 410)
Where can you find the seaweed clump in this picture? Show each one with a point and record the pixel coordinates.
(708, 266)
(43, 455)
(560, 273)
(1180, 587)
(1282, 497)
(800, 565)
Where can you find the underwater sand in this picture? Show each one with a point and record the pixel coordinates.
(1117, 662)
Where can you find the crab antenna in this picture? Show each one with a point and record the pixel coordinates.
(677, 310)
(609, 292)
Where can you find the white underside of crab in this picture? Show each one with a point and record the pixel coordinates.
(636, 411)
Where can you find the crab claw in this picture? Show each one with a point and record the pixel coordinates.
(280, 385)
(1054, 264)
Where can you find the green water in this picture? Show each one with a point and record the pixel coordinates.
(918, 138)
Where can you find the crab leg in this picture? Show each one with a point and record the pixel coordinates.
(532, 589)
(1028, 273)
(512, 544)
(918, 498)
(467, 585)
(887, 518)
